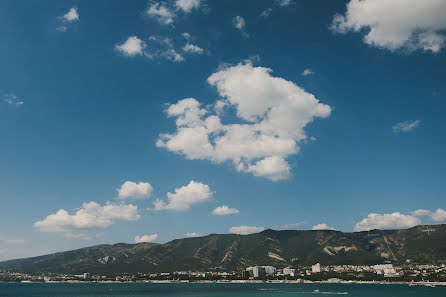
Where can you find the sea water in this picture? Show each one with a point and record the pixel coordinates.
(214, 289)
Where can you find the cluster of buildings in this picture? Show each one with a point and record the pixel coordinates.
(316, 272)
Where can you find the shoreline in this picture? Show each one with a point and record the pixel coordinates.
(415, 284)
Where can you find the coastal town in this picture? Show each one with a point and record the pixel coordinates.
(381, 273)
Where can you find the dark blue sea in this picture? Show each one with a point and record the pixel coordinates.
(202, 290)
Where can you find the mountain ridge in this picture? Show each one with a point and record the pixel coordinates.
(231, 252)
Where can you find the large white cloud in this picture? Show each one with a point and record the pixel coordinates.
(224, 210)
(133, 46)
(245, 230)
(91, 215)
(395, 24)
(187, 5)
(184, 197)
(134, 190)
(146, 238)
(271, 116)
(394, 220)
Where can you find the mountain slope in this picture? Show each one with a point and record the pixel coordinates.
(422, 244)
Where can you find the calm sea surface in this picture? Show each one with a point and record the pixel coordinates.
(244, 290)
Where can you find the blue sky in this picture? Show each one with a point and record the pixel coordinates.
(91, 89)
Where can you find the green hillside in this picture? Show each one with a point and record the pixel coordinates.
(230, 252)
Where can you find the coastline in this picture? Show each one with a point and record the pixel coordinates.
(426, 284)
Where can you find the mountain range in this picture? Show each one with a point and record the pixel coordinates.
(232, 252)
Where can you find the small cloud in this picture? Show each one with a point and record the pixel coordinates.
(187, 5)
(224, 210)
(186, 35)
(161, 13)
(322, 226)
(71, 16)
(266, 12)
(193, 49)
(185, 197)
(172, 55)
(134, 190)
(193, 234)
(12, 99)
(133, 46)
(245, 230)
(284, 3)
(405, 126)
(145, 238)
(307, 72)
(239, 23)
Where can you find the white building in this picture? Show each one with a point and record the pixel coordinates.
(270, 270)
(316, 268)
(288, 271)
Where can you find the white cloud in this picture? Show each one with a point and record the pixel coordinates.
(284, 3)
(322, 226)
(245, 230)
(307, 72)
(71, 16)
(224, 210)
(187, 5)
(266, 12)
(405, 126)
(193, 234)
(145, 238)
(192, 48)
(396, 24)
(394, 220)
(273, 168)
(186, 35)
(271, 116)
(439, 215)
(12, 99)
(91, 215)
(134, 190)
(161, 13)
(172, 55)
(185, 197)
(239, 23)
(131, 47)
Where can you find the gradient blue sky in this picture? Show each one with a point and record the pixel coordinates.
(91, 117)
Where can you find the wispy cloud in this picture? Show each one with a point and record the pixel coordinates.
(12, 99)
(405, 126)
(159, 11)
(239, 23)
(307, 72)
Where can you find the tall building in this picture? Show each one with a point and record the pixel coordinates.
(316, 268)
